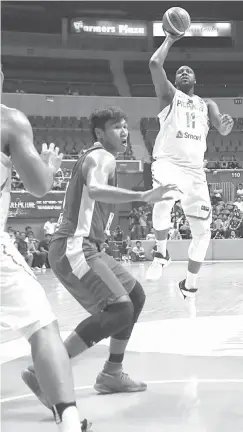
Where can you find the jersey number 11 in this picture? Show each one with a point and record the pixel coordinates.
(190, 120)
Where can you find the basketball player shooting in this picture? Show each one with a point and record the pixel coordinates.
(96, 280)
(24, 305)
(178, 156)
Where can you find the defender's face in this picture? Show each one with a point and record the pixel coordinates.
(185, 78)
(116, 134)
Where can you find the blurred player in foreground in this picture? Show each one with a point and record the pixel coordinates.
(24, 305)
(96, 280)
(179, 153)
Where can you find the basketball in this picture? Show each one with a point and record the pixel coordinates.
(176, 21)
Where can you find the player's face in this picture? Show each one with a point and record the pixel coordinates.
(116, 134)
(185, 78)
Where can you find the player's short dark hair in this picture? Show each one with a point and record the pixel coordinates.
(100, 117)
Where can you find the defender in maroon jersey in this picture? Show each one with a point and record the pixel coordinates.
(96, 280)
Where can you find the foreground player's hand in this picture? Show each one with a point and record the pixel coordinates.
(227, 123)
(51, 156)
(156, 195)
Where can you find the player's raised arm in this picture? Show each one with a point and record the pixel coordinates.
(222, 122)
(98, 167)
(163, 87)
(36, 172)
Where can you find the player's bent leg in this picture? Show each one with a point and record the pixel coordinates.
(161, 223)
(25, 308)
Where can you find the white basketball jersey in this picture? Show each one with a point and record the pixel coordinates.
(5, 176)
(183, 131)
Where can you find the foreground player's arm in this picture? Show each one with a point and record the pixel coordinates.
(164, 89)
(36, 176)
(99, 166)
(222, 122)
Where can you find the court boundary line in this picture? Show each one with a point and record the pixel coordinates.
(206, 261)
(177, 381)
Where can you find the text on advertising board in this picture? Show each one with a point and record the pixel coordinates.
(109, 28)
(199, 29)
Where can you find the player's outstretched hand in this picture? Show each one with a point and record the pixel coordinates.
(156, 195)
(51, 156)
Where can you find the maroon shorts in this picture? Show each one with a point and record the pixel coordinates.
(93, 278)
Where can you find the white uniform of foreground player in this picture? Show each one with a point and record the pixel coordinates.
(24, 305)
(178, 154)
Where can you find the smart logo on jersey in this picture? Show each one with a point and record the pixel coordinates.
(179, 134)
(187, 135)
(192, 136)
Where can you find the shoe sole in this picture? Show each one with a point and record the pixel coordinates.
(164, 266)
(106, 390)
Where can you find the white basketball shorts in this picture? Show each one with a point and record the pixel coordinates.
(194, 198)
(24, 305)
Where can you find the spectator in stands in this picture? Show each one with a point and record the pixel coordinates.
(118, 234)
(225, 227)
(213, 227)
(39, 257)
(239, 203)
(138, 253)
(44, 247)
(134, 225)
(12, 237)
(50, 226)
(218, 235)
(58, 180)
(17, 234)
(126, 249)
(234, 225)
(219, 224)
(217, 196)
(233, 235)
(239, 191)
(142, 223)
(184, 229)
(223, 162)
(23, 249)
(27, 230)
(174, 234)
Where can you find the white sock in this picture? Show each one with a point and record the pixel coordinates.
(70, 420)
(191, 280)
(161, 246)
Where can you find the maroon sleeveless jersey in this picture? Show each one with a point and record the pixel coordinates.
(83, 216)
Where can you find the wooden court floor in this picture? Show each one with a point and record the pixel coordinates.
(194, 368)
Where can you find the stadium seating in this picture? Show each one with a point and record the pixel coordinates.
(58, 76)
(221, 83)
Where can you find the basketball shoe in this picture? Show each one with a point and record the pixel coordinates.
(155, 269)
(189, 298)
(113, 380)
